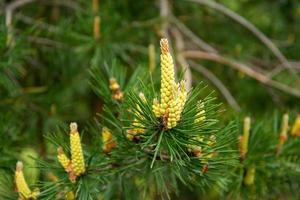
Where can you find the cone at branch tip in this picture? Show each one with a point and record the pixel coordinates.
(77, 157)
(296, 127)
(21, 184)
(73, 127)
(172, 95)
(244, 139)
(63, 159)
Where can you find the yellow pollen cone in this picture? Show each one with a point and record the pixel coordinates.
(76, 151)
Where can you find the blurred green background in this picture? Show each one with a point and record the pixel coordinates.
(48, 47)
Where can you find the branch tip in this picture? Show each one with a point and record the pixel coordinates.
(164, 46)
(73, 127)
(19, 166)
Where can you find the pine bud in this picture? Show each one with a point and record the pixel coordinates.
(115, 88)
(244, 139)
(70, 196)
(200, 116)
(108, 141)
(132, 134)
(95, 6)
(118, 95)
(21, 184)
(29, 157)
(142, 97)
(151, 54)
(97, 27)
(167, 75)
(138, 127)
(182, 95)
(196, 149)
(212, 140)
(113, 84)
(250, 175)
(76, 151)
(296, 127)
(63, 159)
(52, 177)
(284, 129)
(173, 96)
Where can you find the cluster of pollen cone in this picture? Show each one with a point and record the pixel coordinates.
(21, 185)
(169, 108)
(172, 95)
(75, 165)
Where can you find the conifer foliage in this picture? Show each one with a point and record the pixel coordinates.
(149, 132)
(142, 142)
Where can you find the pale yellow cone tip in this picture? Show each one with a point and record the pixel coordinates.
(247, 123)
(285, 124)
(73, 127)
(164, 46)
(19, 166)
(142, 96)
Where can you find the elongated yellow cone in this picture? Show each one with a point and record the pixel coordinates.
(167, 75)
(244, 139)
(172, 95)
(296, 127)
(63, 159)
(24, 191)
(250, 176)
(108, 142)
(76, 151)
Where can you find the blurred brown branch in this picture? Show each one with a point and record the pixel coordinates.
(181, 59)
(263, 78)
(218, 83)
(241, 20)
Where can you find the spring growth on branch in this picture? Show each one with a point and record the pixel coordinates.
(244, 139)
(115, 88)
(96, 6)
(172, 95)
(284, 131)
(137, 124)
(151, 55)
(70, 196)
(76, 150)
(63, 159)
(108, 142)
(296, 127)
(24, 191)
(97, 27)
(167, 76)
(249, 176)
(76, 166)
(200, 116)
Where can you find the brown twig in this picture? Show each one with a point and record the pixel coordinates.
(47, 42)
(241, 20)
(181, 59)
(244, 69)
(11, 7)
(221, 87)
(196, 39)
(164, 14)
